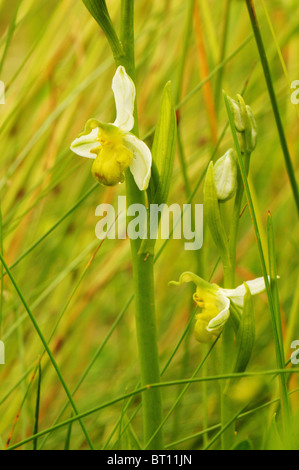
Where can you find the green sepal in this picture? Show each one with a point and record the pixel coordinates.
(89, 126)
(198, 281)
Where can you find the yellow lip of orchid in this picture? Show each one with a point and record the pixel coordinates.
(214, 303)
(112, 146)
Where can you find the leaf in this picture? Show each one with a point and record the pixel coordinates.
(246, 334)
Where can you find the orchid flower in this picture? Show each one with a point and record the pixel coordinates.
(214, 303)
(112, 147)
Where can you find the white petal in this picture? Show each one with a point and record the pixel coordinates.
(237, 295)
(83, 145)
(142, 161)
(124, 93)
(223, 316)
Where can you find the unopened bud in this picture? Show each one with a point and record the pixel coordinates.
(245, 124)
(225, 176)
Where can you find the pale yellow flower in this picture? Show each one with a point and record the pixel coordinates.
(214, 304)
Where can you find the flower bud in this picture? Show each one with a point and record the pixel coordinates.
(225, 176)
(238, 114)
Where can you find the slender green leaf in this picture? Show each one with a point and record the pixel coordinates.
(98, 9)
(37, 406)
(246, 334)
(10, 35)
(271, 90)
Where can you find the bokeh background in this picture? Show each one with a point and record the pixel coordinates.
(57, 68)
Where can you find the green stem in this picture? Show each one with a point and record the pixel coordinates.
(268, 78)
(143, 273)
(236, 217)
(227, 408)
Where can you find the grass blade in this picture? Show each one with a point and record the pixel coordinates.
(276, 304)
(68, 436)
(37, 406)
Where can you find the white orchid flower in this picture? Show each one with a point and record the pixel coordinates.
(214, 303)
(111, 146)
